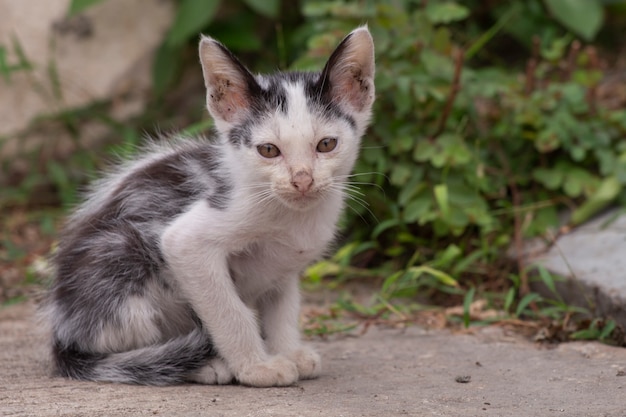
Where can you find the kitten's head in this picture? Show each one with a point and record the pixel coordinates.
(296, 134)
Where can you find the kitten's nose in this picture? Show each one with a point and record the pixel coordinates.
(302, 181)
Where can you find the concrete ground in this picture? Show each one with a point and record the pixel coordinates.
(386, 372)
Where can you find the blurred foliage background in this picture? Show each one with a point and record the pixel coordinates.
(495, 121)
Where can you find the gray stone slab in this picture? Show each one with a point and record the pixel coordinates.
(592, 260)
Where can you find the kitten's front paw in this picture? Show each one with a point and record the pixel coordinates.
(277, 371)
(308, 362)
(216, 372)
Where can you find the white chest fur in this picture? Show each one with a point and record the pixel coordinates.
(283, 251)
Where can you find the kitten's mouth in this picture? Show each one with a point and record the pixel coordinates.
(301, 201)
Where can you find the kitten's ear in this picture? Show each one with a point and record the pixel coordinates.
(230, 86)
(349, 73)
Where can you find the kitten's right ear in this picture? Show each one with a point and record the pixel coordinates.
(348, 76)
(230, 86)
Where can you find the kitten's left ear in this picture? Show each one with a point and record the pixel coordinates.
(231, 88)
(349, 73)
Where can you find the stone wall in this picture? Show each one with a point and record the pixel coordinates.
(103, 54)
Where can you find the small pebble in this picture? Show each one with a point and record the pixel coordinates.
(463, 379)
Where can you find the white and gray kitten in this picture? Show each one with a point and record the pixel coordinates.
(183, 265)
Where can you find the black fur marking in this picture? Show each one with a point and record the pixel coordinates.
(274, 97)
(220, 198)
(114, 252)
(71, 362)
(242, 134)
(262, 101)
(318, 93)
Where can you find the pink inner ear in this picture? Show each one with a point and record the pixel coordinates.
(350, 69)
(353, 87)
(227, 100)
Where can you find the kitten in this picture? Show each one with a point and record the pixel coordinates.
(183, 265)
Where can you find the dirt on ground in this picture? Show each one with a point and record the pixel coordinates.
(385, 372)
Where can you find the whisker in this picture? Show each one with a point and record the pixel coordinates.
(357, 183)
(358, 174)
(375, 147)
(340, 191)
(341, 188)
(348, 189)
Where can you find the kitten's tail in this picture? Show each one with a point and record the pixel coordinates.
(164, 364)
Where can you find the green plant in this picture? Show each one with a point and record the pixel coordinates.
(466, 160)
(6, 67)
(598, 330)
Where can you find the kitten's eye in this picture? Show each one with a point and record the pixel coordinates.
(327, 144)
(268, 150)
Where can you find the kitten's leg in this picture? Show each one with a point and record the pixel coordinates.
(216, 372)
(279, 315)
(199, 265)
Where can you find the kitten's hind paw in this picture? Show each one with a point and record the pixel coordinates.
(216, 372)
(276, 372)
(308, 362)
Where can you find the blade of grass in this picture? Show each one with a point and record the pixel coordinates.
(525, 301)
(492, 31)
(467, 303)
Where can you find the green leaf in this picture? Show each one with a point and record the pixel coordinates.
(390, 281)
(383, 226)
(438, 66)
(77, 6)
(191, 17)
(413, 187)
(318, 271)
(268, 8)
(449, 150)
(417, 208)
(424, 151)
(344, 255)
(441, 40)
(548, 139)
(607, 329)
(401, 173)
(551, 178)
(608, 190)
(445, 12)
(445, 258)
(543, 219)
(441, 196)
(576, 181)
(402, 96)
(547, 279)
(525, 301)
(442, 277)
(345, 252)
(508, 300)
(583, 17)
(587, 334)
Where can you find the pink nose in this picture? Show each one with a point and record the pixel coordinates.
(302, 181)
